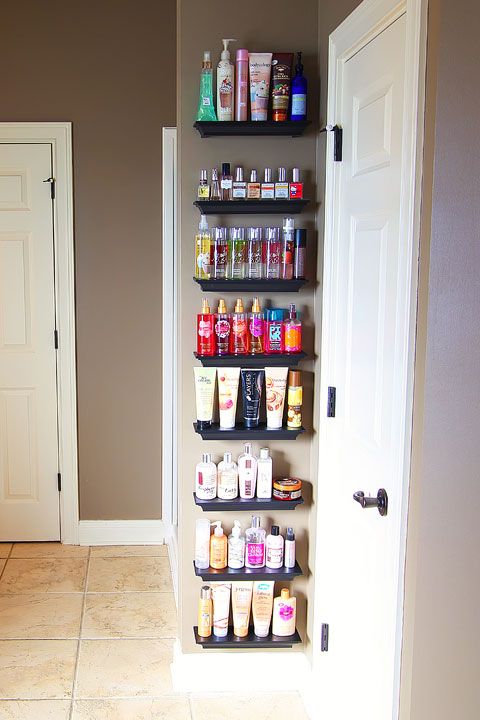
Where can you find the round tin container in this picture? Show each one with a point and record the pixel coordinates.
(287, 489)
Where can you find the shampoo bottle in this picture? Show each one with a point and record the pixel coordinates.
(247, 472)
(225, 84)
(205, 612)
(218, 548)
(284, 614)
(236, 547)
(264, 474)
(227, 478)
(206, 109)
(206, 478)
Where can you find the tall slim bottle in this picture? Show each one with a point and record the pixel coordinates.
(206, 108)
(205, 331)
(256, 328)
(238, 253)
(241, 89)
(254, 253)
(203, 250)
(299, 92)
(222, 328)
(220, 253)
(239, 334)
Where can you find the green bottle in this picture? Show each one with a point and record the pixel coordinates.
(206, 108)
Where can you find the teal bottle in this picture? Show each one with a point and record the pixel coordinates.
(206, 108)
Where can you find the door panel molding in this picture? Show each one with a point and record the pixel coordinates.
(59, 134)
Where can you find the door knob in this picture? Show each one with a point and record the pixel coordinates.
(380, 502)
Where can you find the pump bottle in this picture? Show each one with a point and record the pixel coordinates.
(225, 84)
(236, 547)
(227, 488)
(218, 547)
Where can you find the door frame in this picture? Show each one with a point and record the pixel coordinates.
(362, 26)
(59, 135)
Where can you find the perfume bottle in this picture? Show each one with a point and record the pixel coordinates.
(255, 327)
(281, 187)
(272, 270)
(254, 253)
(296, 187)
(268, 187)
(203, 250)
(274, 331)
(226, 182)
(205, 331)
(239, 189)
(255, 544)
(299, 92)
(253, 187)
(203, 192)
(220, 253)
(215, 186)
(223, 327)
(293, 332)
(206, 108)
(300, 253)
(288, 245)
(239, 334)
(238, 253)
(247, 472)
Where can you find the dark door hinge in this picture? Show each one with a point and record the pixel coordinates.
(55, 339)
(337, 140)
(59, 482)
(324, 638)
(51, 180)
(331, 401)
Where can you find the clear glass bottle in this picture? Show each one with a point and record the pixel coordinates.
(238, 253)
(247, 472)
(255, 544)
(227, 478)
(236, 547)
(239, 189)
(256, 329)
(281, 186)
(272, 270)
(253, 187)
(203, 192)
(288, 246)
(268, 187)
(254, 253)
(296, 187)
(215, 186)
(220, 253)
(206, 108)
(203, 250)
(226, 182)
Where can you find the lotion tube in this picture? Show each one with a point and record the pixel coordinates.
(204, 392)
(262, 606)
(228, 378)
(221, 608)
(276, 384)
(241, 604)
(260, 65)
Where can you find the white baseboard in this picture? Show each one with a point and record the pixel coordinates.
(122, 532)
(211, 671)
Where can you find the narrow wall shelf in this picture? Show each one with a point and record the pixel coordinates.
(251, 641)
(215, 432)
(250, 128)
(251, 207)
(254, 361)
(284, 574)
(251, 286)
(239, 504)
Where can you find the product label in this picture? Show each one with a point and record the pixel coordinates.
(239, 326)
(256, 327)
(226, 184)
(220, 255)
(239, 191)
(281, 87)
(228, 485)
(204, 328)
(299, 104)
(206, 101)
(275, 556)
(222, 328)
(203, 191)
(281, 191)
(275, 336)
(295, 395)
(268, 191)
(296, 191)
(256, 554)
(293, 339)
(285, 611)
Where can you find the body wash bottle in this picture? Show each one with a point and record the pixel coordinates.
(225, 84)
(255, 545)
(284, 614)
(206, 109)
(218, 547)
(236, 547)
(206, 478)
(247, 472)
(227, 483)
(264, 474)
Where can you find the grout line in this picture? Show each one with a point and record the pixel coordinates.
(82, 617)
(6, 561)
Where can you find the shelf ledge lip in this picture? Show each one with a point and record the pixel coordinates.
(251, 641)
(251, 207)
(251, 128)
(242, 505)
(244, 361)
(243, 433)
(282, 574)
(250, 284)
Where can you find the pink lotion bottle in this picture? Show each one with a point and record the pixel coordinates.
(241, 88)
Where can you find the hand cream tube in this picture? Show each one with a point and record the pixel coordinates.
(228, 378)
(275, 383)
(241, 603)
(221, 608)
(252, 384)
(262, 606)
(260, 65)
(204, 392)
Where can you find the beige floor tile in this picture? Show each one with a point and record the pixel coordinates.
(42, 575)
(48, 550)
(136, 574)
(40, 669)
(166, 708)
(34, 709)
(2, 565)
(5, 549)
(128, 550)
(130, 615)
(124, 668)
(283, 706)
(42, 615)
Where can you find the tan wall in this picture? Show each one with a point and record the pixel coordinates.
(257, 27)
(109, 68)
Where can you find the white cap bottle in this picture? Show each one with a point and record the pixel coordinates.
(227, 487)
(236, 547)
(206, 478)
(264, 474)
(247, 473)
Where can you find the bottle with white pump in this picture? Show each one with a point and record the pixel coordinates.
(206, 478)
(225, 84)
(247, 473)
(264, 474)
(227, 483)
(236, 547)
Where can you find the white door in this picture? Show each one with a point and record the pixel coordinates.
(365, 350)
(29, 498)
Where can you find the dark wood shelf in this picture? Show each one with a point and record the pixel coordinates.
(250, 641)
(251, 128)
(240, 504)
(251, 286)
(230, 574)
(250, 207)
(215, 432)
(245, 361)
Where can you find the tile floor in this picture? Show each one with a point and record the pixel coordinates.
(87, 634)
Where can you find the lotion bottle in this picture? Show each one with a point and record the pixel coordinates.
(218, 547)
(225, 84)
(274, 549)
(236, 547)
(206, 478)
(264, 474)
(284, 614)
(255, 544)
(247, 472)
(227, 488)
(205, 612)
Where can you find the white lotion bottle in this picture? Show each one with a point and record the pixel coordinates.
(264, 474)
(202, 544)
(236, 547)
(225, 84)
(274, 549)
(290, 549)
(227, 485)
(247, 473)
(206, 478)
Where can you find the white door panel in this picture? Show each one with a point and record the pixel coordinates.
(29, 505)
